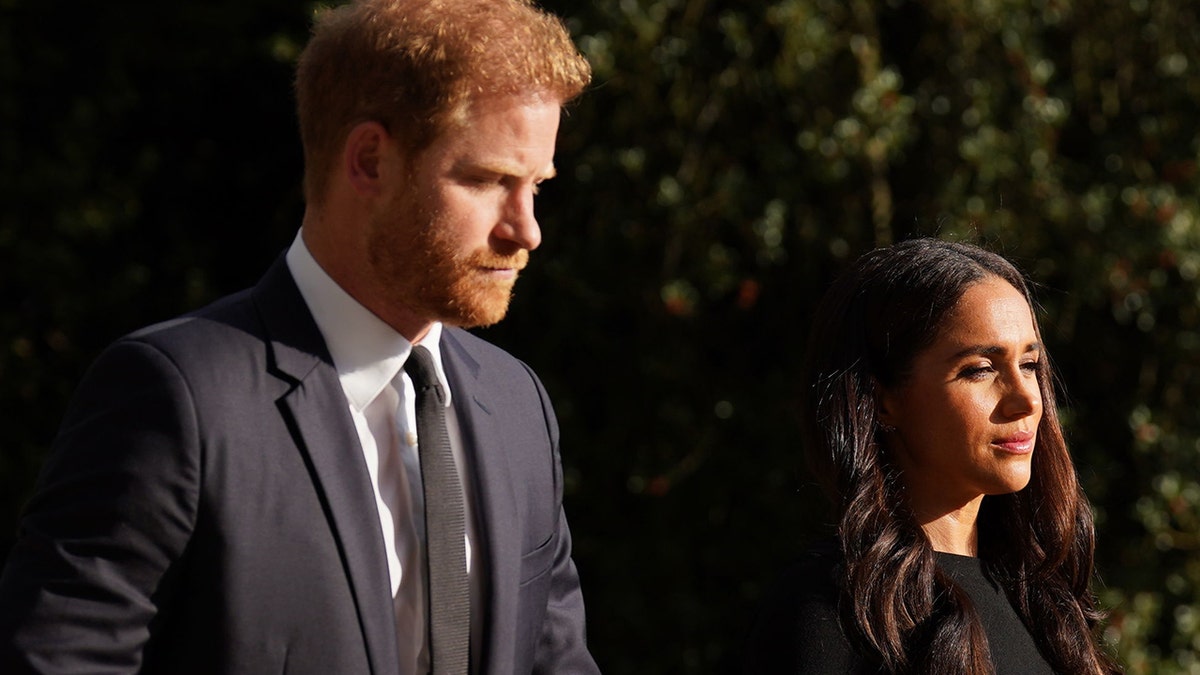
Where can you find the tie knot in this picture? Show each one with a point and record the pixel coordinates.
(420, 368)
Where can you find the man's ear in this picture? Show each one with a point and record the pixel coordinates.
(363, 156)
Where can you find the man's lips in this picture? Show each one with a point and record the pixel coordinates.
(505, 267)
(501, 271)
(1020, 443)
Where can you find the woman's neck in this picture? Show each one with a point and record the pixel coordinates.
(952, 530)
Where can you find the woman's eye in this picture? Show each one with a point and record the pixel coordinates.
(975, 372)
(1031, 366)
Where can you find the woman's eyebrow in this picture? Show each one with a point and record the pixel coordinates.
(992, 350)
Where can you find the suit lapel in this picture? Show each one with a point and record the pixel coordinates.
(317, 414)
(495, 501)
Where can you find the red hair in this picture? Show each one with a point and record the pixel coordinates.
(415, 66)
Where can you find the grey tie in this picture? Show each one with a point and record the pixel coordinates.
(445, 534)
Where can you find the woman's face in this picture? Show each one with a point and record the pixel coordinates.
(966, 417)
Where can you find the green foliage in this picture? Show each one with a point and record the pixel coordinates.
(733, 156)
(730, 159)
(138, 141)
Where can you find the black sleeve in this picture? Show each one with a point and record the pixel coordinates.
(797, 630)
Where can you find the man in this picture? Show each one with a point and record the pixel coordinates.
(325, 474)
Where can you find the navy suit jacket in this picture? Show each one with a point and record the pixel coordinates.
(206, 509)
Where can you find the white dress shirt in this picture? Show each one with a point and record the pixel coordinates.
(369, 356)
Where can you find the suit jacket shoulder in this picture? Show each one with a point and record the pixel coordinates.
(205, 470)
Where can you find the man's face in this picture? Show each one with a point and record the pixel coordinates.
(449, 242)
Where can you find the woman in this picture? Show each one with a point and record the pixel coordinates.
(964, 542)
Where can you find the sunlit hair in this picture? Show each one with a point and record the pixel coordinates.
(895, 602)
(416, 66)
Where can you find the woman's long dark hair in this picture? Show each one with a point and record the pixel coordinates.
(1037, 542)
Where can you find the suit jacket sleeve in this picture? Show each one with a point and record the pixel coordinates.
(114, 508)
(562, 647)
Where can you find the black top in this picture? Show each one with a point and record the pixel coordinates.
(798, 630)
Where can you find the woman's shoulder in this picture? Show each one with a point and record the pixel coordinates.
(815, 578)
(798, 629)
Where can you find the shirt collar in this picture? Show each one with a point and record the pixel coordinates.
(367, 353)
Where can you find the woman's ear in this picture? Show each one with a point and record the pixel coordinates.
(885, 407)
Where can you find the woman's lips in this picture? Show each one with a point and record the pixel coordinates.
(1020, 443)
